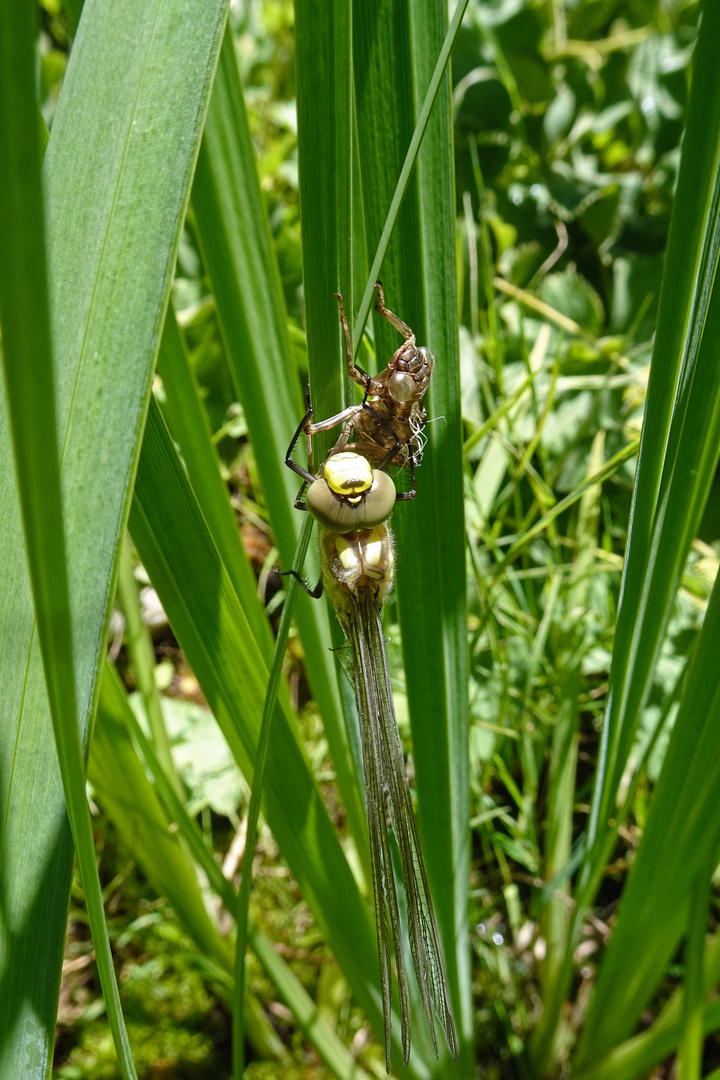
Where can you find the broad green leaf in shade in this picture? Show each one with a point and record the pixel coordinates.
(418, 274)
(236, 245)
(117, 174)
(175, 546)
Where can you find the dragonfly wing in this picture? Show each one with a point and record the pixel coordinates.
(422, 926)
(385, 890)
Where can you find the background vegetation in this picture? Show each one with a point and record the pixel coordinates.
(553, 638)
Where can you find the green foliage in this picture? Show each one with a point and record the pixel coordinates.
(553, 637)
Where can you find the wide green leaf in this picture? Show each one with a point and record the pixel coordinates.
(117, 173)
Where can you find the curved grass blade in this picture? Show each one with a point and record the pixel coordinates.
(114, 707)
(243, 903)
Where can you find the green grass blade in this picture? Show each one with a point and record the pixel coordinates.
(187, 420)
(255, 799)
(141, 653)
(680, 837)
(442, 770)
(325, 147)
(173, 541)
(113, 707)
(236, 245)
(111, 237)
(391, 79)
(681, 428)
(437, 85)
(691, 1046)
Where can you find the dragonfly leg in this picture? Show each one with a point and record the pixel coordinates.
(299, 503)
(391, 317)
(316, 593)
(302, 427)
(356, 374)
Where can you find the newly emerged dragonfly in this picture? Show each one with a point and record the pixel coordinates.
(388, 424)
(351, 502)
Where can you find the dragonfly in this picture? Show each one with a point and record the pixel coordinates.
(389, 421)
(352, 501)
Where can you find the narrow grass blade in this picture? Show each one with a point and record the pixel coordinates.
(679, 838)
(442, 770)
(142, 657)
(691, 1046)
(243, 904)
(187, 420)
(325, 146)
(113, 707)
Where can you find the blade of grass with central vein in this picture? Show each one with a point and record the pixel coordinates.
(117, 175)
(394, 58)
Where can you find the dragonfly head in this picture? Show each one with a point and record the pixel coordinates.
(350, 495)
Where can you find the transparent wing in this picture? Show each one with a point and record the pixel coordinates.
(389, 790)
(376, 792)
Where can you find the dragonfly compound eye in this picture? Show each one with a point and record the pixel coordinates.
(350, 496)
